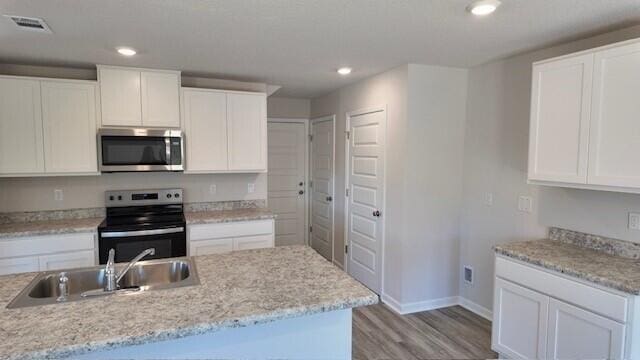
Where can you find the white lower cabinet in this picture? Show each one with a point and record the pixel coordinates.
(541, 315)
(205, 239)
(46, 253)
(575, 333)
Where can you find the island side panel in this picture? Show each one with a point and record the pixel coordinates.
(324, 335)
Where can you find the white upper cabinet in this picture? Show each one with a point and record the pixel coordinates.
(559, 128)
(21, 148)
(247, 131)
(160, 99)
(69, 123)
(225, 131)
(615, 120)
(205, 124)
(120, 97)
(585, 124)
(139, 97)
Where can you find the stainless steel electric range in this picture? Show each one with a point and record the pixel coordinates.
(141, 219)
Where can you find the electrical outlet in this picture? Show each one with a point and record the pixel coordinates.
(488, 199)
(213, 189)
(58, 195)
(525, 204)
(251, 188)
(468, 274)
(634, 221)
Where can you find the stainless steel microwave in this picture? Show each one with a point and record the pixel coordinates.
(129, 150)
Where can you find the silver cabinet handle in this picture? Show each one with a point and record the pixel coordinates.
(115, 234)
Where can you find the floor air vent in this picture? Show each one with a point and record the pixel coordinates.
(30, 23)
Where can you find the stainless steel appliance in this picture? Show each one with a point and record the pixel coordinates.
(143, 219)
(127, 150)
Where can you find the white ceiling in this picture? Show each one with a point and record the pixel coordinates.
(296, 43)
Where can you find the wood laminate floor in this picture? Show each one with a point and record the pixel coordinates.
(449, 333)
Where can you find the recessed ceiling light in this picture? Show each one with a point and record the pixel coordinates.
(126, 51)
(483, 7)
(344, 71)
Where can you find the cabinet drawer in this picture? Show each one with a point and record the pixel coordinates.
(605, 303)
(71, 260)
(253, 242)
(19, 265)
(211, 246)
(35, 245)
(226, 230)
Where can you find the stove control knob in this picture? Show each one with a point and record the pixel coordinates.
(119, 197)
(111, 198)
(176, 195)
(168, 196)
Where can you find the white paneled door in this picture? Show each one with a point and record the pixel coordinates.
(322, 158)
(286, 184)
(365, 186)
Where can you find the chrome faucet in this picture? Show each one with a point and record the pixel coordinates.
(111, 278)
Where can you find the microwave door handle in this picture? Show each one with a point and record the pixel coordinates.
(118, 234)
(167, 143)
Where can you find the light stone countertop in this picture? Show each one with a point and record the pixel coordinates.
(49, 227)
(598, 267)
(237, 289)
(222, 216)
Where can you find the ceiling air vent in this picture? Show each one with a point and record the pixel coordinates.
(30, 23)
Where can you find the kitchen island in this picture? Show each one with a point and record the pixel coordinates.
(284, 302)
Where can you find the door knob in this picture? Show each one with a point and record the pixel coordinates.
(376, 213)
(300, 192)
(329, 198)
(301, 183)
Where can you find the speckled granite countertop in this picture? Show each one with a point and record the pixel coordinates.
(237, 289)
(222, 216)
(612, 271)
(49, 227)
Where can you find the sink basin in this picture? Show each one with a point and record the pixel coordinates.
(86, 283)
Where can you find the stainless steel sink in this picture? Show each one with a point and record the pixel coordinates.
(86, 283)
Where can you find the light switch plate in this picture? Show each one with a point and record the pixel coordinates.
(634, 221)
(58, 195)
(488, 199)
(213, 189)
(525, 204)
(251, 188)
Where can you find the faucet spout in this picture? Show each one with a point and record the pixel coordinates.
(150, 251)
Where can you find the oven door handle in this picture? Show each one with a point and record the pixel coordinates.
(117, 234)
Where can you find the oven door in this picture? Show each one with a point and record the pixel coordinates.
(140, 150)
(168, 242)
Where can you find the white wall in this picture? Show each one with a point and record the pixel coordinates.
(425, 130)
(33, 194)
(495, 160)
(288, 108)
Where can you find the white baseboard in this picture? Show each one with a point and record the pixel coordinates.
(418, 306)
(475, 308)
(408, 308)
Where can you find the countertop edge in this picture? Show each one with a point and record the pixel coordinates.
(615, 285)
(170, 334)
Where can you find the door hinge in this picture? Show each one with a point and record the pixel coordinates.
(346, 192)
(346, 249)
(310, 228)
(310, 137)
(348, 134)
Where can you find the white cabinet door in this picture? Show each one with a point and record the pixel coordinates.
(67, 260)
(69, 123)
(212, 246)
(19, 265)
(160, 98)
(205, 123)
(247, 131)
(615, 124)
(21, 147)
(519, 327)
(560, 116)
(120, 96)
(579, 334)
(253, 242)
